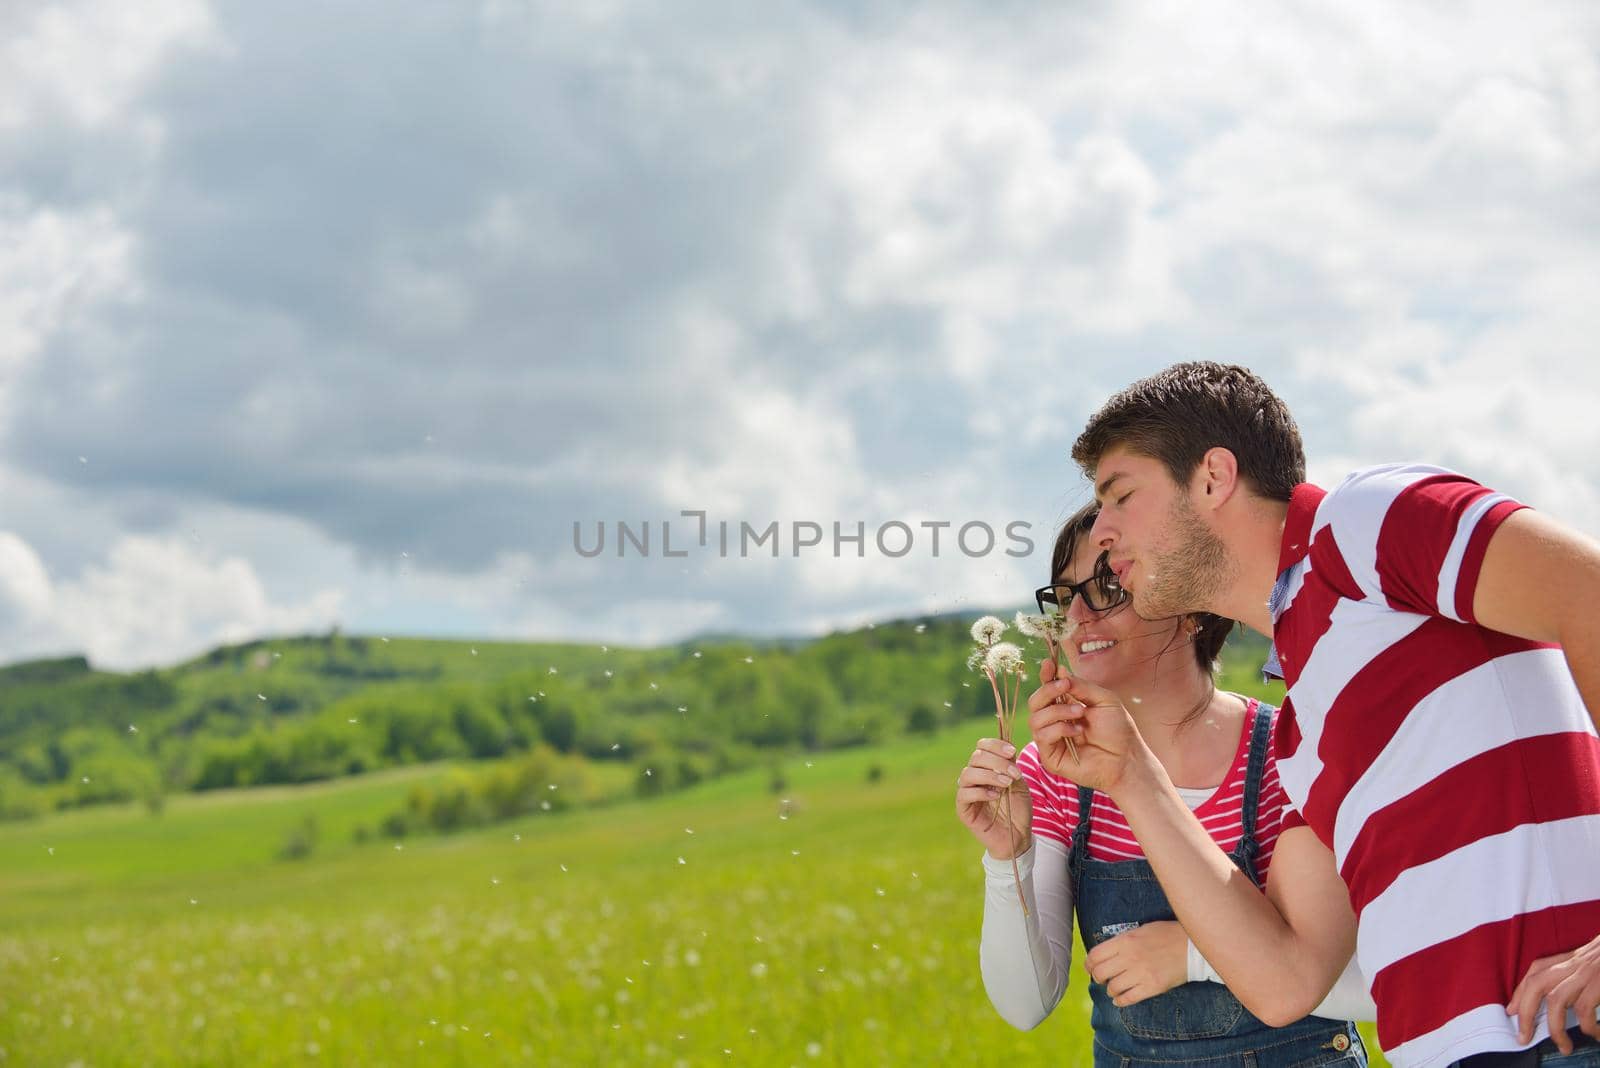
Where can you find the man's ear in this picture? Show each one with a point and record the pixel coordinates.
(1217, 477)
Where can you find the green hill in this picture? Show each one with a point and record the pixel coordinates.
(620, 720)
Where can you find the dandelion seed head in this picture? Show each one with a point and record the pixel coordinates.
(1003, 658)
(1028, 626)
(987, 630)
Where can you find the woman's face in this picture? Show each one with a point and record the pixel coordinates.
(1116, 649)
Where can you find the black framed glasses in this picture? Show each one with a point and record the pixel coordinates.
(1101, 591)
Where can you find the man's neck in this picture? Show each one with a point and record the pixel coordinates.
(1256, 544)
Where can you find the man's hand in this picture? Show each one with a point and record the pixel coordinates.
(1562, 981)
(1108, 743)
(1138, 964)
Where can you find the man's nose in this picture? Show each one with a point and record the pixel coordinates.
(1101, 534)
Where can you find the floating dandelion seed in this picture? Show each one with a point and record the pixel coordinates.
(516, 838)
(132, 729)
(277, 656)
(86, 778)
(682, 861)
(683, 708)
(615, 746)
(697, 654)
(397, 847)
(384, 640)
(192, 901)
(879, 891)
(653, 686)
(688, 830)
(920, 628)
(474, 652)
(261, 697)
(809, 764)
(947, 704)
(794, 852)
(553, 672)
(494, 881)
(608, 673)
(51, 850)
(1137, 700)
(552, 786)
(563, 867)
(354, 720)
(544, 806)
(603, 649)
(649, 771)
(749, 660)
(83, 459)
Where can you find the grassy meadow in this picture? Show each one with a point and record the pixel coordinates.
(831, 922)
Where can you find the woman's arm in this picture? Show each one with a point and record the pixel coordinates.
(1025, 959)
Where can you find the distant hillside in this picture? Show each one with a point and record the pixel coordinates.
(318, 707)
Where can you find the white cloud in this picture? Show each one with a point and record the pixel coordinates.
(87, 60)
(152, 600)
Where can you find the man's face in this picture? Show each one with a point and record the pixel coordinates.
(1161, 549)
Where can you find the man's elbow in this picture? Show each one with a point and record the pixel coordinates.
(1282, 1006)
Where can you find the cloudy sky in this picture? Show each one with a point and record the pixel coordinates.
(346, 313)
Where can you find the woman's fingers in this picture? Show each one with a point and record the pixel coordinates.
(1004, 750)
(971, 776)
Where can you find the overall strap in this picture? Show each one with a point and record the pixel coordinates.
(1080, 838)
(1260, 744)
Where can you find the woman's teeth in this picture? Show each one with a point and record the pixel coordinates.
(1094, 647)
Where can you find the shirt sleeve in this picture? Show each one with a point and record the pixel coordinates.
(1055, 801)
(1025, 958)
(1409, 536)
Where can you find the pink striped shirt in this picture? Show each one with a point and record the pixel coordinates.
(1452, 769)
(1055, 807)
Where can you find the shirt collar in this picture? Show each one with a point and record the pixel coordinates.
(1296, 543)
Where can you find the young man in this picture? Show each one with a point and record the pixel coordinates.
(1441, 648)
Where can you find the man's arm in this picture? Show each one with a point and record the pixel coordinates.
(1541, 581)
(1280, 953)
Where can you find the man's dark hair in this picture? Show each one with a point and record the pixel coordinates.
(1211, 631)
(1177, 415)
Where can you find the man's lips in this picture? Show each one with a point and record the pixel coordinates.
(1121, 569)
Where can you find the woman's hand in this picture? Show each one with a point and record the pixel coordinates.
(989, 780)
(1148, 960)
(1107, 741)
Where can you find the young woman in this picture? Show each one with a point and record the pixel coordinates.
(1155, 999)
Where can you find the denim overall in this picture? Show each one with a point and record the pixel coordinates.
(1201, 1024)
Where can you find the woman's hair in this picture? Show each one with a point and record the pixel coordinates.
(1210, 630)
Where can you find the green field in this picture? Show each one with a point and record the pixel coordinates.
(839, 928)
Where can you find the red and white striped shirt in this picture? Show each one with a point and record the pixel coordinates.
(1452, 769)
(1055, 807)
